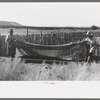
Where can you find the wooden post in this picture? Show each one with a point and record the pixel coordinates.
(27, 35)
(98, 53)
(98, 50)
(27, 31)
(41, 36)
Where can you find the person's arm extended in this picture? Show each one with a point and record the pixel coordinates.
(14, 37)
(89, 40)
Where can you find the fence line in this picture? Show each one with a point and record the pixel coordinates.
(43, 39)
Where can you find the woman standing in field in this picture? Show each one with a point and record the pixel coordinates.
(92, 45)
(11, 50)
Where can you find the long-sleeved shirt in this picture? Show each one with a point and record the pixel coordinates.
(9, 38)
(92, 41)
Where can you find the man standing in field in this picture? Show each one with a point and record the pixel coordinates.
(92, 43)
(11, 50)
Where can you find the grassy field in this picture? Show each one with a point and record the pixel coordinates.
(19, 71)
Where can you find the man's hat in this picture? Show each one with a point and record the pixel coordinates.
(11, 30)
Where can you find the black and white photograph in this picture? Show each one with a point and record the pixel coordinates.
(49, 42)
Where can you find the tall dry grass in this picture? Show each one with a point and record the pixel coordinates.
(19, 71)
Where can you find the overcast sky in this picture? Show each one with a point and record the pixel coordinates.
(51, 14)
